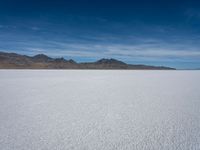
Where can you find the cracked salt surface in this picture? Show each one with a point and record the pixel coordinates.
(102, 110)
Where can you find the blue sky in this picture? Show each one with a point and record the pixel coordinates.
(138, 32)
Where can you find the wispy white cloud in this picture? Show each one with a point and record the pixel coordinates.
(35, 28)
(146, 50)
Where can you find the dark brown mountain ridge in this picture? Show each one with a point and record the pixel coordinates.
(41, 61)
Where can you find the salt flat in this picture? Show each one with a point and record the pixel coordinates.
(102, 110)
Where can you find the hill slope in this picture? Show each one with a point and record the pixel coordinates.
(41, 61)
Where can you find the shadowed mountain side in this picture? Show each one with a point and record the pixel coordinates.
(41, 61)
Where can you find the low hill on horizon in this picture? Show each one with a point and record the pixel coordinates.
(41, 61)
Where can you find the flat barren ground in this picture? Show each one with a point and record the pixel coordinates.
(99, 110)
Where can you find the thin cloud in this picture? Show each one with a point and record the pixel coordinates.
(115, 50)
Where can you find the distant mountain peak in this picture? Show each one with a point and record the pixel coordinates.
(60, 59)
(41, 58)
(72, 61)
(110, 61)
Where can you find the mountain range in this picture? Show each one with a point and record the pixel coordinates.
(41, 61)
